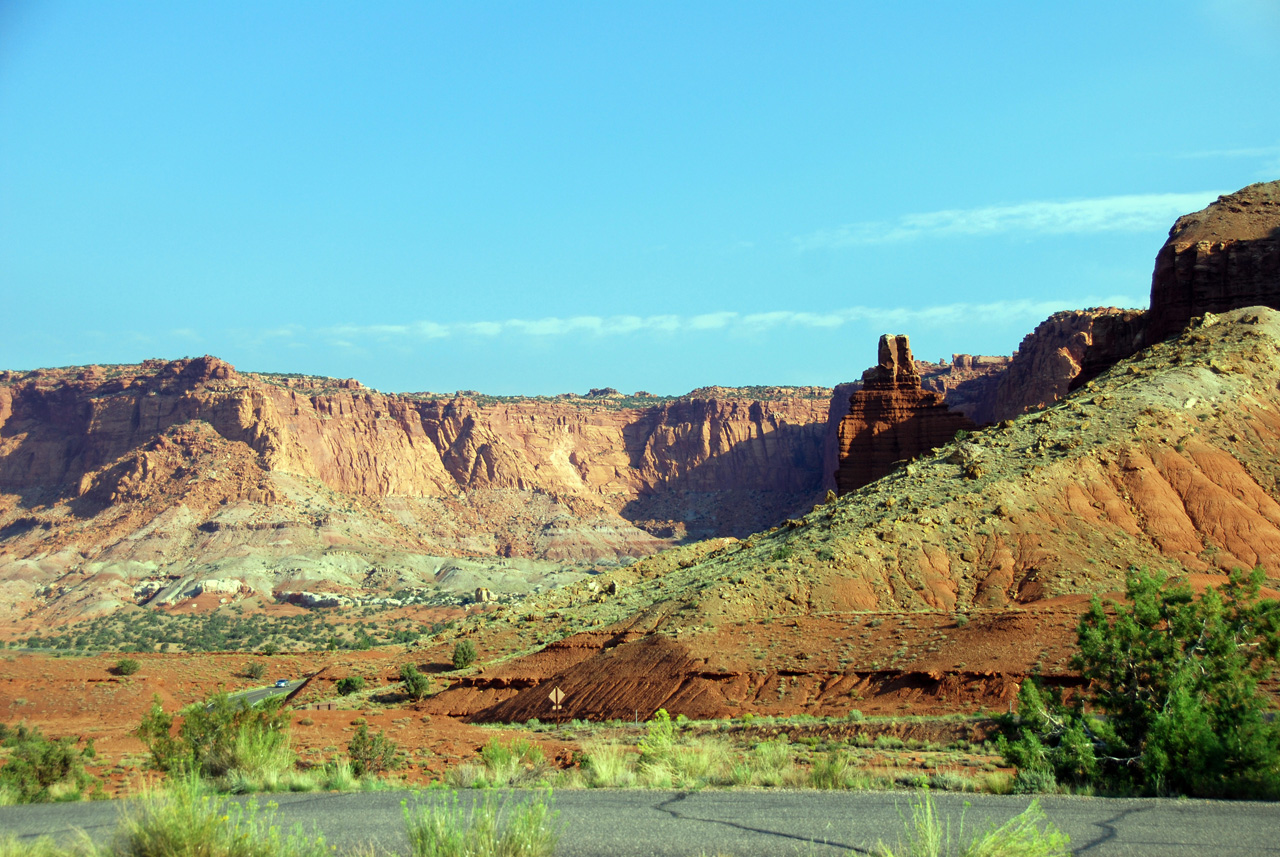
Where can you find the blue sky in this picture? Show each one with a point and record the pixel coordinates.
(547, 197)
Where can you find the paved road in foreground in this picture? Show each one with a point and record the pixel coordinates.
(606, 823)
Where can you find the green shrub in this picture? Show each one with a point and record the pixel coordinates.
(657, 744)
(464, 654)
(773, 763)
(516, 763)
(349, 685)
(444, 829)
(185, 821)
(608, 766)
(126, 666)
(42, 769)
(44, 846)
(372, 754)
(1178, 680)
(257, 669)
(416, 684)
(1031, 781)
(223, 737)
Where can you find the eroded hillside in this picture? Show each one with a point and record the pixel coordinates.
(1167, 460)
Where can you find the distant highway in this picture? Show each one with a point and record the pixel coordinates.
(253, 697)
(754, 823)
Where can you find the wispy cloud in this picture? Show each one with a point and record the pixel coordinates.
(1261, 152)
(722, 323)
(1132, 213)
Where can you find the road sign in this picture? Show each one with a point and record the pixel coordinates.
(556, 696)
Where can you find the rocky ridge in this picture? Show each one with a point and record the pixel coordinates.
(1222, 257)
(1166, 460)
(119, 484)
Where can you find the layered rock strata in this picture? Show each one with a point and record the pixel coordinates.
(154, 478)
(1223, 257)
(1220, 258)
(891, 418)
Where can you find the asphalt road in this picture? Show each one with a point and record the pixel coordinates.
(253, 697)
(634, 823)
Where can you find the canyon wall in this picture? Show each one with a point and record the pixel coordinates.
(61, 432)
(1223, 257)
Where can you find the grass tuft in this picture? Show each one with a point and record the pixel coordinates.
(490, 828)
(930, 835)
(187, 821)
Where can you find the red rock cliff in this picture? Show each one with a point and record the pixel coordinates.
(891, 418)
(63, 432)
(1224, 257)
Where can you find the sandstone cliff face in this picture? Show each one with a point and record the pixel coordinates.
(1047, 363)
(124, 477)
(891, 418)
(1223, 257)
(58, 431)
(967, 382)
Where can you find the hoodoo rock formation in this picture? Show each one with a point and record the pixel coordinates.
(1221, 258)
(891, 418)
(988, 389)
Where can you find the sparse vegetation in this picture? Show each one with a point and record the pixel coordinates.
(44, 769)
(126, 666)
(515, 763)
(929, 835)
(243, 748)
(186, 821)
(416, 684)
(228, 631)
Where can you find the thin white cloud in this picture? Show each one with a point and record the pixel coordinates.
(712, 320)
(1263, 152)
(725, 322)
(1131, 213)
